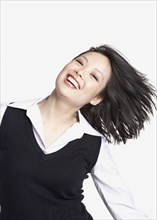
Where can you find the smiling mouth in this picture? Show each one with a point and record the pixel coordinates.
(74, 83)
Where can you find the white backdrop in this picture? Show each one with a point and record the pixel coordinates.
(39, 37)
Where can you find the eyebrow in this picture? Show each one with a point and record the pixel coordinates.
(85, 58)
(95, 68)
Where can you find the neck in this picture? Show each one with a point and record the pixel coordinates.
(57, 111)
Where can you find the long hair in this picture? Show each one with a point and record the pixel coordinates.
(127, 100)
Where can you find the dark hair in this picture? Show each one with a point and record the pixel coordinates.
(127, 100)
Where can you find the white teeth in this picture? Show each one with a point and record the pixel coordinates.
(69, 78)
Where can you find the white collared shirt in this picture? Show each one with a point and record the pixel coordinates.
(109, 184)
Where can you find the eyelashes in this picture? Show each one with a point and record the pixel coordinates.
(79, 61)
(94, 77)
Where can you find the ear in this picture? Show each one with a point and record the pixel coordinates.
(96, 100)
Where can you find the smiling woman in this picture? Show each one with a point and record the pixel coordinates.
(48, 146)
(87, 75)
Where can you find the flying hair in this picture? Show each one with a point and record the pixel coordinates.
(128, 100)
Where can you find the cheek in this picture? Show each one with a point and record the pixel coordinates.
(90, 92)
(93, 87)
(102, 85)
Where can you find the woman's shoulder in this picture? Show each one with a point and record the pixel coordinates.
(21, 104)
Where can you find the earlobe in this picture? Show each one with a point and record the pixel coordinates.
(96, 100)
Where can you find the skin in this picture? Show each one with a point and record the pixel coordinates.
(59, 111)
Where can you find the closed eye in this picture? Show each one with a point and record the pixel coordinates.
(94, 77)
(79, 61)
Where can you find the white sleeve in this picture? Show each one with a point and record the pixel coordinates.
(113, 189)
(2, 110)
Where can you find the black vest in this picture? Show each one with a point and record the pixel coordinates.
(36, 186)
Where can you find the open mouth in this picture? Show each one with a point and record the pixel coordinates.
(73, 82)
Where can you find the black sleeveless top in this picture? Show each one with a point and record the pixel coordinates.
(36, 186)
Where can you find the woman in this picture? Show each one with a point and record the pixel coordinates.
(49, 146)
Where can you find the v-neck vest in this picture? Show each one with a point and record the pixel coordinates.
(38, 186)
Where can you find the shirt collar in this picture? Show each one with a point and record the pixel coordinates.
(31, 106)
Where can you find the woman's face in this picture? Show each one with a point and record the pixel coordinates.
(83, 78)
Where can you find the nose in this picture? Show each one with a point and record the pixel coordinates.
(79, 73)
